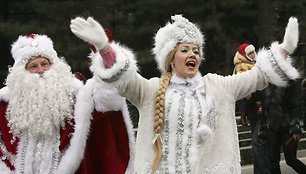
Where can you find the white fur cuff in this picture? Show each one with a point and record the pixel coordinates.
(273, 63)
(125, 62)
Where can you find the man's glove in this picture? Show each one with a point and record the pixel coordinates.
(90, 31)
(291, 36)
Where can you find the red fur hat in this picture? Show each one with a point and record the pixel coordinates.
(245, 49)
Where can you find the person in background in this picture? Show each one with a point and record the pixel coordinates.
(251, 109)
(187, 121)
(244, 60)
(283, 130)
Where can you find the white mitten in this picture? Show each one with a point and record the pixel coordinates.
(291, 36)
(90, 31)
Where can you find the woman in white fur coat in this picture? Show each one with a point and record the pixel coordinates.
(187, 121)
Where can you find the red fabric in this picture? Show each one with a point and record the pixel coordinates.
(66, 135)
(6, 135)
(107, 148)
(241, 49)
(32, 35)
(109, 34)
(109, 57)
(92, 47)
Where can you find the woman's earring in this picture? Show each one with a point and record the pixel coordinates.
(172, 65)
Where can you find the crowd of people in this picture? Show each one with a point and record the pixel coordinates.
(51, 122)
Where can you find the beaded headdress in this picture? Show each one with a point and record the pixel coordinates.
(179, 30)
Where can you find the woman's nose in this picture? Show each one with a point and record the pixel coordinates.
(192, 54)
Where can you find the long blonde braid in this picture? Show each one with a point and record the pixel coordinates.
(159, 109)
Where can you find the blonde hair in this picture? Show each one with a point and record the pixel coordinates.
(160, 108)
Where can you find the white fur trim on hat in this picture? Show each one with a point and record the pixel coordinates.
(33, 45)
(250, 48)
(178, 31)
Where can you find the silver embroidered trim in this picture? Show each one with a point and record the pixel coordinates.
(55, 155)
(214, 170)
(166, 137)
(211, 117)
(184, 25)
(118, 74)
(6, 155)
(188, 146)
(38, 150)
(179, 134)
(23, 154)
(276, 67)
(183, 154)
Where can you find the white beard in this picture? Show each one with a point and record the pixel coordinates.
(40, 103)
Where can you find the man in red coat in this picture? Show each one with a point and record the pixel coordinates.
(36, 108)
(41, 106)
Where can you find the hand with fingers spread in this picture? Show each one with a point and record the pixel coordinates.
(90, 31)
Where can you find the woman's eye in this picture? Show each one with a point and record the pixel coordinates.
(184, 50)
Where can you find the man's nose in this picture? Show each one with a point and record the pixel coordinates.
(41, 69)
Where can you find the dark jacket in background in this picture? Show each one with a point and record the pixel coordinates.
(303, 103)
(282, 107)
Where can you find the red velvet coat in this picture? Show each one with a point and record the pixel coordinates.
(103, 136)
(107, 148)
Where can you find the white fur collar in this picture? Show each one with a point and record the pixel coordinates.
(195, 82)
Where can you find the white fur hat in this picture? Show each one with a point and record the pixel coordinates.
(180, 30)
(32, 45)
